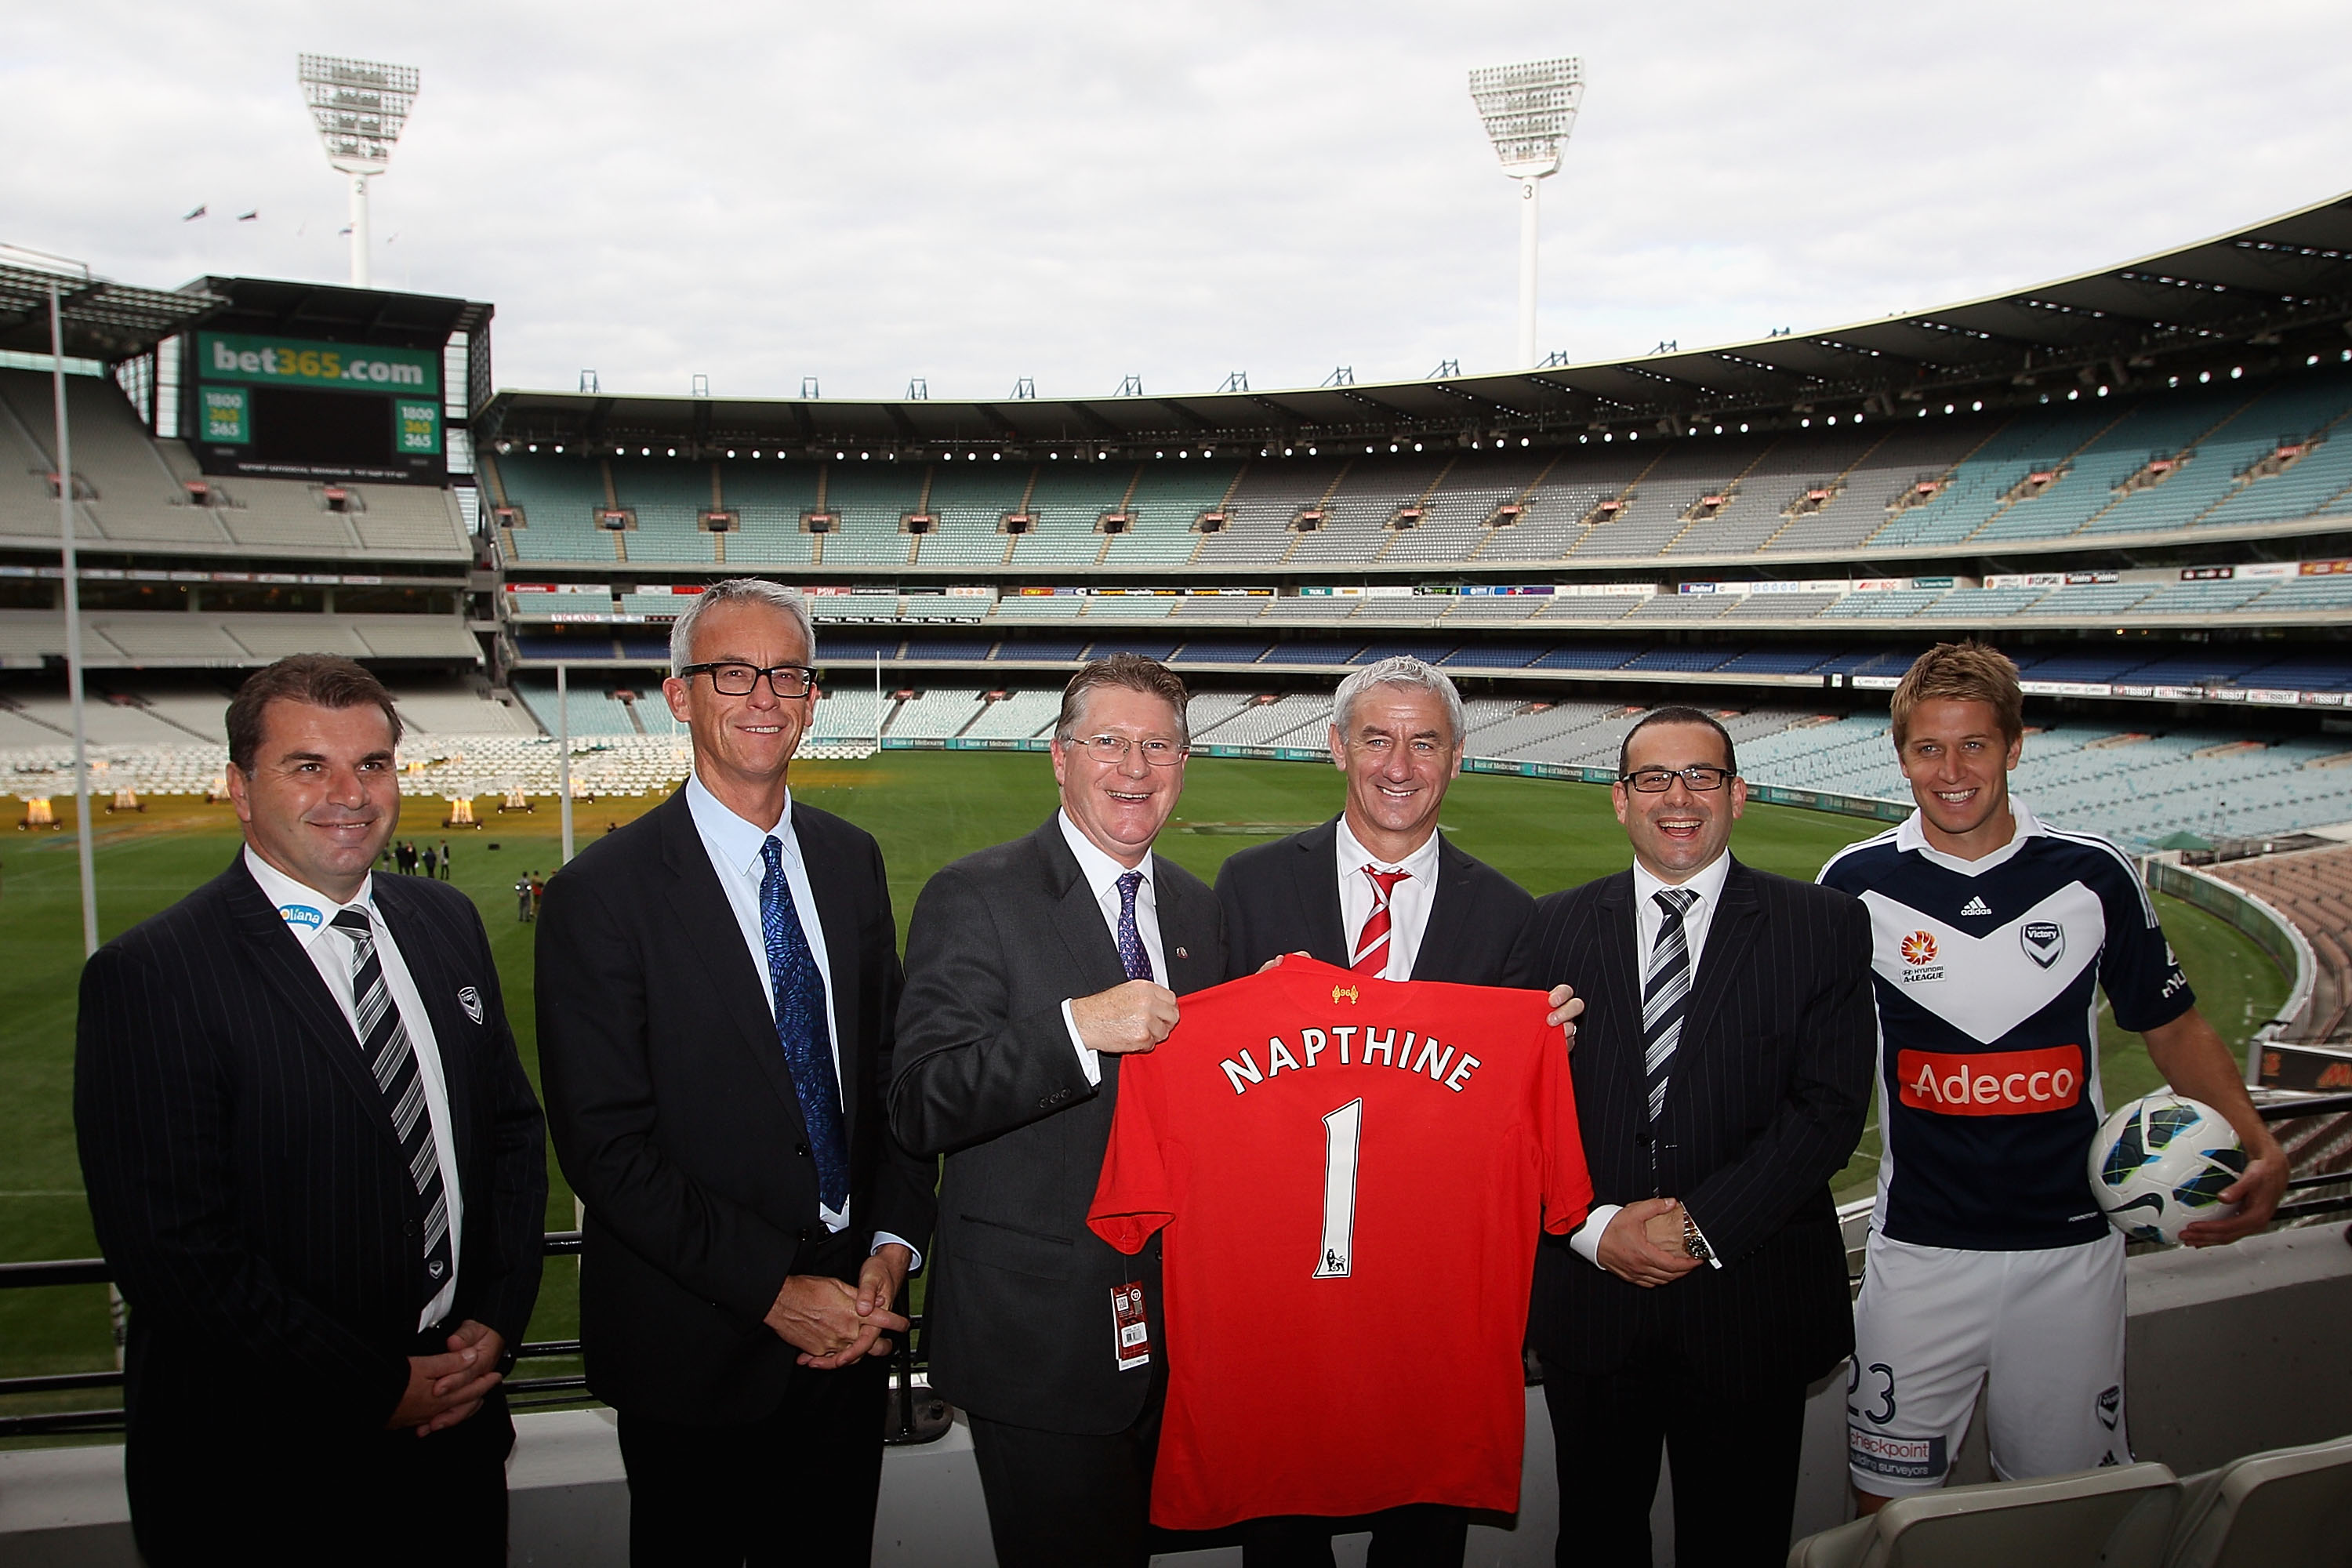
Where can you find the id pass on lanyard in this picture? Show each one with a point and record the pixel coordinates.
(1130, 1336)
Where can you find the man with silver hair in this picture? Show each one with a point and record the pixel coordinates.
(717, 995)
(1378, 889)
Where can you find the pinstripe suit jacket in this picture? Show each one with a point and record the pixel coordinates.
(1769, 1087)
(248, 1188)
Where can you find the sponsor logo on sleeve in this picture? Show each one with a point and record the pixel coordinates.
(1896, 1458)
(2044, 942)
(301, 915)
(1993, 1083)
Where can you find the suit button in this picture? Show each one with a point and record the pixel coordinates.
(804, 1232)
(801, 1150)
(412, 1229)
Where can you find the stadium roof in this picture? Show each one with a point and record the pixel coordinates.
(100, 321)
(2251, 298)
(341, 314)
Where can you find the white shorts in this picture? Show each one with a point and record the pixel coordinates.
(2042, 1333)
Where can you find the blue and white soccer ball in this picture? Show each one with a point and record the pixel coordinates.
(2162, 1164)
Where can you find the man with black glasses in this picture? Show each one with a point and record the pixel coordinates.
(718, 983)
(1722, 1076)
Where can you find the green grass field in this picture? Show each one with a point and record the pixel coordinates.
(926, 809)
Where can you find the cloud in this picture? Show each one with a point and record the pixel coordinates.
(980, 192)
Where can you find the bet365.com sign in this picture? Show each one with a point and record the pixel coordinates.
(344, 367)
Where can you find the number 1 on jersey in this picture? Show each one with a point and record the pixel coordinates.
(1342, 1131)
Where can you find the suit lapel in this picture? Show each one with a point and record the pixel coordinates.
(1077, 917)
(1729, 934)
(1617, 938)
(839, 921)
(286, 971)
(1449, 912)
(708, 925)
(1323, 924)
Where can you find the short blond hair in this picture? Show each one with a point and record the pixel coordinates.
(1961, 672)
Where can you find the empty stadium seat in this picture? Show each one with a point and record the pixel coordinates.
(2116, 1518)
(2287, 1506)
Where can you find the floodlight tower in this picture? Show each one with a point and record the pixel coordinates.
(1528, 111)
(360, 107)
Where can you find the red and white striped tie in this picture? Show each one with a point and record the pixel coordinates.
(1372, 946)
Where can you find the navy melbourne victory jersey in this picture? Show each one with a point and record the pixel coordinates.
(1988, 974)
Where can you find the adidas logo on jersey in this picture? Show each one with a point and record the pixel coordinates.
(1976, 905)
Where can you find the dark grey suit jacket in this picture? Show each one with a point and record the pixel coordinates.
(1283, 897)
(674, 1112)
(1771, 1083)
(1019, 1313)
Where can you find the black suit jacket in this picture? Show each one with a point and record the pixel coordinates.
(1018, 1319)
(674, 1114)
(1770, 1084)
(1283, 897)
(248, 1188)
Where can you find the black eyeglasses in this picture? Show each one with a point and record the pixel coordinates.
(732, 679)
(1658, 780)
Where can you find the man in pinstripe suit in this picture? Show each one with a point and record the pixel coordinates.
(316, 1168)
(1722, 1076)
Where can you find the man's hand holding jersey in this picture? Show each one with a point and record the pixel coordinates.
(2195, 1063)
(1133, 1015)
(1643, 1244)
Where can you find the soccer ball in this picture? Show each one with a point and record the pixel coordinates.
(2161, 1162)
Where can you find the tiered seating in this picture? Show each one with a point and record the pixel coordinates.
(1682, 472)
(559, 498)
(2038, 439)
(2314, 890)
(1168, 499)
(767, 499)
(1269, 495)
(591, 709)
(1905, 452)
(1293, 719)
(1792, 465)
(2289, 412)
(1356, 522)
(937, 714)
(870, 498)
(1018, 716)
(848, 713)
(1453, 524)
(2157, 427)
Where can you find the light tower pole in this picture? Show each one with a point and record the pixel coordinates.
(359, 107)
(1528, 111)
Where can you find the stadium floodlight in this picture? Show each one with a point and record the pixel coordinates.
(360, 108)
(1528, 111)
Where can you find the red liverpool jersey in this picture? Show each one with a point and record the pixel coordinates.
(1351, 1174)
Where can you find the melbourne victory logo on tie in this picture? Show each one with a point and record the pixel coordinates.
(471, 1000)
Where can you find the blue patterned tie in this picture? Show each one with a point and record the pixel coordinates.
(1131, 951)
(801, 1027)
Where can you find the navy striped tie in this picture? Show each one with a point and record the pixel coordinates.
(1666, 995)
(385, 1044)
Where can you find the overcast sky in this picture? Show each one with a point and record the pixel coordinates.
(980, 191)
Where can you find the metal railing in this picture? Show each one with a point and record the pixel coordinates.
(916, 1415)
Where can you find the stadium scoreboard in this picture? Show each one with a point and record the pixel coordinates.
(298, 409)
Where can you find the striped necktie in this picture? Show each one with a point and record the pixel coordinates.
(1666, 995)
(1372, 944)
(384, 1044)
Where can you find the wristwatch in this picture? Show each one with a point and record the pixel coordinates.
(1693, 1242)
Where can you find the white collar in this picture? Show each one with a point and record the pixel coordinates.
(1708, 882)
(1102, 873)
(305, 909)
(738, 841)
(1912, 835)
(1421, 864)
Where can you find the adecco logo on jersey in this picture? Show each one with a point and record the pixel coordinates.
(1997, 1083)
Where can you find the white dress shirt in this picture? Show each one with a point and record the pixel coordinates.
(309, 915)
(1409, 900)
(1648, 917)
(736, 851)
(1102, 874)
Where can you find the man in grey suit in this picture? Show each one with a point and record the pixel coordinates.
(1032, 968)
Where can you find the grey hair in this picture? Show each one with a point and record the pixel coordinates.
(738, 591)
(1400, 669)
